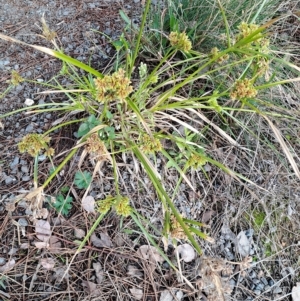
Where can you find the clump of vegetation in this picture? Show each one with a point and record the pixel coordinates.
(183, 87)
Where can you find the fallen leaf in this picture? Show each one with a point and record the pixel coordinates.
(296, 292)
(150, 253)
(60, 273)
(54, 244)
(24, 245)
(167, 295)
(104, 242)
(186, 252)
(132, 270)
(88, 204)
(242, 244)
(99, 271)
(136, 293)
(89, 286)
(207, 216)
(41, 244)
(8, 266)
(42, 230)
(47, 263)
(12, 251)
(79, 233)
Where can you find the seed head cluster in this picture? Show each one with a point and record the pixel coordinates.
(119, 203)
(176, 230)
(214, 54)
(96, 148)
(113, 87)
(195, 161)
(34, 143)
(16, 78)
(150, 145)
(243, 89)
(180, 41)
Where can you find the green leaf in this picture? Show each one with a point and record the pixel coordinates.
(82, 179)
(62, 204)
(83, 130)
(64, 189)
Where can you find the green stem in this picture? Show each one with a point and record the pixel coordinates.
(137, 46)
(35, 171)
(60, 166)
(63, 124)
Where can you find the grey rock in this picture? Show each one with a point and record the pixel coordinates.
(264, 280)
(277, 290)
(41, 158)
(267, 288)
(14, 171)
(259, 286)
(242, 244)
(15, 162)
(23, 222)
(29, 128)
(26, 178)
(2, 260)
(25, 169)
(271, 282)
(257, 292)
(9, 180)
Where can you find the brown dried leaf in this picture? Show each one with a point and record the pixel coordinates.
(47, 263)
(89, 286)
(54, 244)
(150, 253)
(79, 233)
(88, 204)
(99, 272)
(41, 244)
(42, 230)
(136, 293)
(104, 242)
(186, 252)
(132, 270)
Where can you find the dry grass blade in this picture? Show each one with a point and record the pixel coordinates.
(284, 147)
(221, 132)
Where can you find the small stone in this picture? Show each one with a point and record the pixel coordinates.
(267, 288)
(271, 282)
(26, 178)
(264, 280)
(2, 260)
(29, 128)
(9, 180)
(277, 290)
(41, 158)
(257, 292)
(255, 281)
(25, 169)
(259, 287)
(15, 162)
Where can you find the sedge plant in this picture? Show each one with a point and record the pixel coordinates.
(179, 89)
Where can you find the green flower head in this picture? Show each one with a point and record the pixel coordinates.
(180, 41)
(34, 143)
(113, 87)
